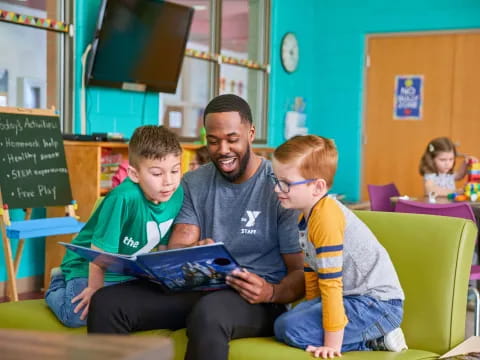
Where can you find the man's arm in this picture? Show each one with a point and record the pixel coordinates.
(256, 290)
(292, 286)
(184, 235)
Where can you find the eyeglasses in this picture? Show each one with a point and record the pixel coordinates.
(285, 186)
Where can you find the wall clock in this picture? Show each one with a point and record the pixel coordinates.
(289, 52)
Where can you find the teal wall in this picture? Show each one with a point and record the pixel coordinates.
(332, 37)
(33, 256)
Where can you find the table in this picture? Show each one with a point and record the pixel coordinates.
(39, 345)
(438, 200)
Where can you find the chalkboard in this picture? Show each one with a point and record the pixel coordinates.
(32, 161)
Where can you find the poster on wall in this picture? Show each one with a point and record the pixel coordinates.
(408, 100)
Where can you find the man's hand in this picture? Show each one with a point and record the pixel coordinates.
(324, 352)
(250, 286)
(84, 298)
(205, 241)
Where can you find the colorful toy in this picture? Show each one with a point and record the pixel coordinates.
(472, 187)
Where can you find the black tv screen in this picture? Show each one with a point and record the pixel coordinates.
(139, 45)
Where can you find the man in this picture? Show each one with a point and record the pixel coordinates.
(229, 200)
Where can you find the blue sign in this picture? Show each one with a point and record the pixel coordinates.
(408, 101)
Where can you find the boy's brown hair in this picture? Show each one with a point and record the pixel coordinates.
(316, 156)
(152, 142)
(435, 147)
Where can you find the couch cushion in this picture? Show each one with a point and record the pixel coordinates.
(35, 315)
(270, 349)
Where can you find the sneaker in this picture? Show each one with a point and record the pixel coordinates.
(393, 341)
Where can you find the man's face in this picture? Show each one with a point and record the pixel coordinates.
(229, 142)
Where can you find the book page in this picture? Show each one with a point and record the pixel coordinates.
(195, 268)
(467, 350)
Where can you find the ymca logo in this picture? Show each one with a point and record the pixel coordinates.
(250, 221)
(252, 215)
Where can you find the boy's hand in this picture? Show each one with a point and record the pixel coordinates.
(84, 298)
(324, 352)
(250, 286)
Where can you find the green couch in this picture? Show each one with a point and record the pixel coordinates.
(432, 255)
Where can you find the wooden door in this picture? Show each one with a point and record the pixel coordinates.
(392, 148)
(466, 94)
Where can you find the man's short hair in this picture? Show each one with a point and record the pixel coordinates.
(152, 142)
(315, 156)
(228, 103)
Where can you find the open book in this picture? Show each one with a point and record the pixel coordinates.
(194, 268)
(467, 350)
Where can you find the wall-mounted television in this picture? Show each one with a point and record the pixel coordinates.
(139, 45)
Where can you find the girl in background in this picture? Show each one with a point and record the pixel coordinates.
(437, 167)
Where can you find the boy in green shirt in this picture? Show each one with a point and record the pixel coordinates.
(134, 218)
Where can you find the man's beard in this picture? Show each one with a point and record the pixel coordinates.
(235, 175)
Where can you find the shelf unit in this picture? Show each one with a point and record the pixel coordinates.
(84, 170)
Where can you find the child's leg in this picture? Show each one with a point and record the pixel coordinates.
(301, 326)
(59, 298)
(369, 319)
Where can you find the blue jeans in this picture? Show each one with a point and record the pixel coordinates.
(368, 319)
(59, 298)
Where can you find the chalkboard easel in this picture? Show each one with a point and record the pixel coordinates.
(34, 174)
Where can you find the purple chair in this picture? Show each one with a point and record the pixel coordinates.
(460, 210)
(380, 196)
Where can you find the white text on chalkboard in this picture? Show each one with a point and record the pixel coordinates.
(42, 190)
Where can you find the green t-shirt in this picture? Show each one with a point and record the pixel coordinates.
(127, 223)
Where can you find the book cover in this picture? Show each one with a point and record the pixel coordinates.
(199, 268)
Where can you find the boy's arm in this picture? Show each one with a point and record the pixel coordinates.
(333, 339)
(327, 235)
(311, 283)
(96, 278)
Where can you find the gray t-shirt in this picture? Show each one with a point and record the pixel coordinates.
(247, 217)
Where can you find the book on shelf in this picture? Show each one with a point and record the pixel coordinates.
(201, 268)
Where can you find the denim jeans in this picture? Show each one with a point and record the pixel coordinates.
(368, 319)
(59, 298)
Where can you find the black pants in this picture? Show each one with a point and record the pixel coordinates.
(212, 319)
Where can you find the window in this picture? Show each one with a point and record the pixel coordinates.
(35, 70)
(227, 52)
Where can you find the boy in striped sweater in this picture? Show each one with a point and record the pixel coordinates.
(354, 300)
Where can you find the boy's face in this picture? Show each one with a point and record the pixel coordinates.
(299, 196)
(158, 178)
